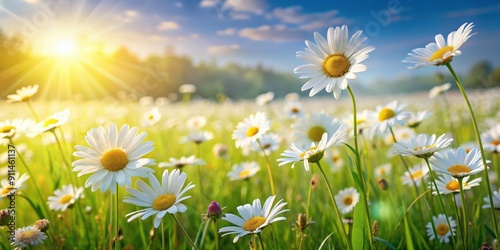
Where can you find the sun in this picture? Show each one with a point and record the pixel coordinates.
(65, 48)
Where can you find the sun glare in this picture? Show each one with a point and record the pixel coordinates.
(65, 48)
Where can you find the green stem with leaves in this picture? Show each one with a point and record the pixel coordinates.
(185, 233)
(479, 141)
(269, 170)
(465, 220)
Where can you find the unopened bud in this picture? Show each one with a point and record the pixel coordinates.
(42, 225)
(214, 212)
(4, 217)
(314, 181)
(383, 184)
(375, 228)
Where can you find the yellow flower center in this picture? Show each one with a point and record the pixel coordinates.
(66, 198)
(458, 169)
(295, 110)
(440, 53)
(453, 185)
(495, 142)
(49, 122)
(252, 131)
(424, 147)
(6, 190)
(315, 133)
(336, 65)
(114, 159)
(442, 229)
(347, 200)
(417, 174)
(28, 236)
(244, 174)
(164, 201)
(386, 113)
(254, 223)
(151, 117)
(6, 129)
(25, 98)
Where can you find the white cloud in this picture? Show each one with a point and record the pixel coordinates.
(277, 33)
(32, 1)
(168, 25)
(250, 6)
(226, 32)
(223, 49)
(131, 13)
(209, 3)
(308, 21)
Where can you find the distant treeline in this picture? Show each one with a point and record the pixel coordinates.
(97, 75)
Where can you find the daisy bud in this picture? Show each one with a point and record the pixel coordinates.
(485, 246)
(4, 217)
(42, 225)
(314, 181)
(383, 184)
(214, 212)
(219, 150)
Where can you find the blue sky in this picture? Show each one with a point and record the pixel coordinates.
(268, 32)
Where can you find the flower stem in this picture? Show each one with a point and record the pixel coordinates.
(309, 194)
(260, 240)
(216, 235)
(32, 110)
(162, 236)
(360, 171)
(269, 170)
(185, 233)
(465, 221)
(478, 137)
(116, 230)
(335, 208)
(68, 165)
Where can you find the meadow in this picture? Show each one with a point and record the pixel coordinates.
(401, 211)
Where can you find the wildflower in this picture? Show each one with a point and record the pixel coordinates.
(421, 146)
(491, 139)
(414, 174)
(214, 212)
(28, 236)
(389, 115)
(268, 143)
(187, 89)
(314, 182)
(251, 129)
(243, 171)
(400, 134)
(447, 184)
(302, 224)
(440, 52)
(334, 159)
(458, 163)
(496, 200)
(439, 90)
(332, 62)
(159, 198)
(383, 170)
(383, 184)
(113, 157)
(4, 217)
(443, 231)
(219, 150)
(6, 187)
(11, 129)
(347, 199)
(311, 128)
(23, 94)
(65, 197)
(198, 137)
(151, 117)
(182, 162)
(50, 123)
(314, 153)
(265, 98)
(417, 118)
(196, 122)
(254, 218)
(293, 109)
(42, 225)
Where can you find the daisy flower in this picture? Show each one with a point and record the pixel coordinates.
(293, 109)
(151, 117)
(270, 142)
(243, 171)
(309, 129)
(332, 62)
(23, 94)
(113, 157)
(440, 52)
(389, 115)
(414, 174)
(7, 188)
(496, 200)
(439, 90)
(458, 163)
(346, 199)
(447, 184)
(182, 162)
(65, 197)
(50, 123)
(11, 129)
(251, 129)
(265, 98)
(383, 170)
(491, 139)
(159, 198)
(401, 134)
(254, 218)
(334, 159)
(443, 231)
(196, 122)
(417, 118)
(28, 236)
(187, 89)
(314, 153)
(421, 146)
(198, 137)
